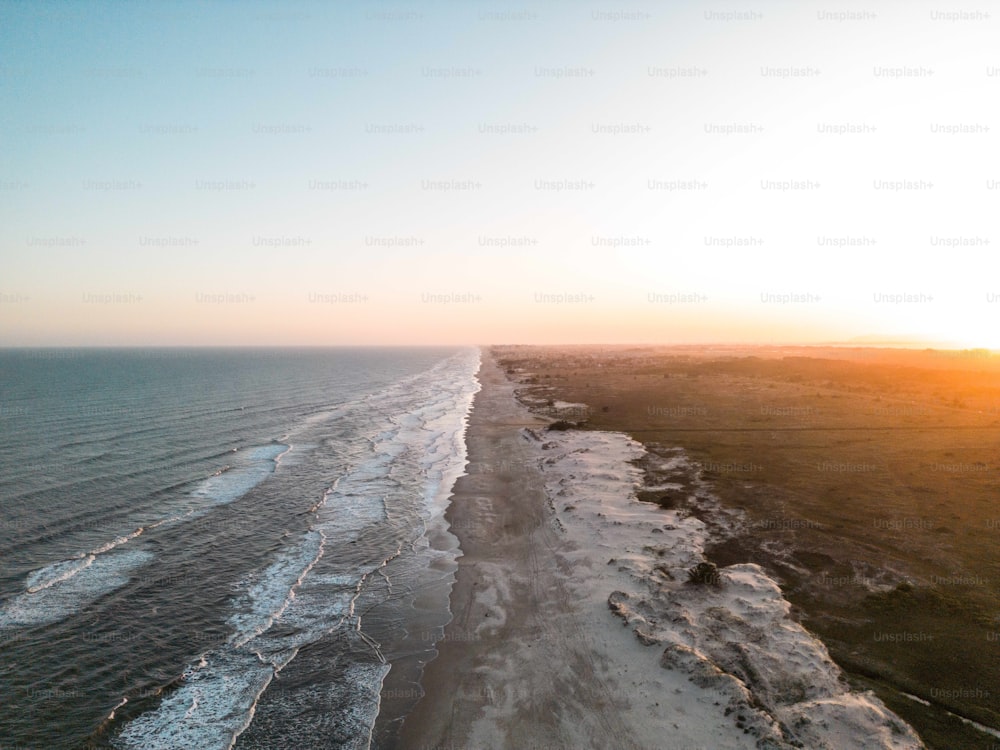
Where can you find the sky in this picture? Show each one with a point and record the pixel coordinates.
(252, 173)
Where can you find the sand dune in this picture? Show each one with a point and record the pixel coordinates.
(558, 553)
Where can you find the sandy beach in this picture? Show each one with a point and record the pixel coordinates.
(527, 661)
(864, 481)
(574, 626)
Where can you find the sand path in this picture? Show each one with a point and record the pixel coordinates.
(516, 668)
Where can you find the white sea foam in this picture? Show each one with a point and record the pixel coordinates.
(207, 711)
(117, 542)
(218, 697)
(63, 589)
(254, 466)
(56, 573)
(267, 599)
(59, 590)
(412, 446)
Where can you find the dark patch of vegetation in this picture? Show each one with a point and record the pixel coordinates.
(704, 574)
(564, 424)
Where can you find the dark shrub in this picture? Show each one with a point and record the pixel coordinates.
(704, 573)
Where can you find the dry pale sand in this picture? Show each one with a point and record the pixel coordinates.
(533, 657)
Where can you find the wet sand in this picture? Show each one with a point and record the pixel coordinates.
(573, 624)
(533, 657)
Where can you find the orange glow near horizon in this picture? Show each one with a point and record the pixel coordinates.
(257, 322)
(566, 180)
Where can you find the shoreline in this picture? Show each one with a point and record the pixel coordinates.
(526, 660)
(435, 721)
(533, 657)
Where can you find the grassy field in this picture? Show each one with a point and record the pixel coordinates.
(871, 480)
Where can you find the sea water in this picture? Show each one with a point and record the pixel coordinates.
(223, 548)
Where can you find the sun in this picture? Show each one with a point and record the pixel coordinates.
(968, 331)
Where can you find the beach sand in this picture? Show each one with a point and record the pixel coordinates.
(866, 479)
(527, 661)
(573, 627)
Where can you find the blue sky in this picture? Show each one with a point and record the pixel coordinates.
(373, 172)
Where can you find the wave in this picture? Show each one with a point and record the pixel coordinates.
(230, 483)
(70, 594)
(57, 591)
(50, 575)
(268, 598)
(219, 694)
(118, 541)
(406, 446)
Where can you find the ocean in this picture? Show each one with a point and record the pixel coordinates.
(215, 548)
